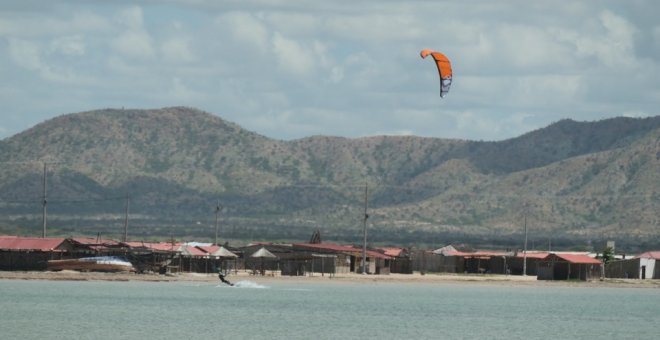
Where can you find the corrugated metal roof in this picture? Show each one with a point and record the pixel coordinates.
(575, 258)
(159, 246)
(476, 254)
(30, 243)
(192, 251)
(394, 252)
(217, 251)
(533, 255)
(649, 255)
(341, 248)
(94, 242)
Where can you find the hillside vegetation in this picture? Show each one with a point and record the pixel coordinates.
(577, 182)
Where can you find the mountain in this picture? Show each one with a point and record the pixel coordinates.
(576, 182)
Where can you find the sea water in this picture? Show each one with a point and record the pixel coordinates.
(185, 310)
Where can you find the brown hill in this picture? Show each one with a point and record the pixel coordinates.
(576, 181)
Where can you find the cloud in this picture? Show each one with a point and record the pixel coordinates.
(291, 69)
(246, 29)
(611, 43)
(177, 50)
(69, 45)
(29, 55)
(134, 42)
(292, 56)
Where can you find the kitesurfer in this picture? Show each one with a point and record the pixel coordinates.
(222, 278)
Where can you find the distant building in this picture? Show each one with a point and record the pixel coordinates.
(559, 266)
(644, 266)
(31, 253)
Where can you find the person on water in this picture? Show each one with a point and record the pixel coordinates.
(222, 278)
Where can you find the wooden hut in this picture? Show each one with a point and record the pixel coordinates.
(31, 253)
(643, 266)
(401, 262)
(569, 267)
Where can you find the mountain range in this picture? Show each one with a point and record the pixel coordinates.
(572, 184)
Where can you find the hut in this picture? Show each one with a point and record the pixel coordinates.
(160, 257)
(31, 253)
(263, 255)
(346, 259)
(557, 266)
(220, 257)
(644, 266)
(401, 262)
(515, 263)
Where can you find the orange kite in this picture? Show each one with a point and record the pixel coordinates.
(444, 69)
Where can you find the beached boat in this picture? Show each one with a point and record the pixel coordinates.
(93, 264)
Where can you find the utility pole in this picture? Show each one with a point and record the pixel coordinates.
(218, 207)
(364, 230)
(126, 219)
(44, 202)
(525, 247)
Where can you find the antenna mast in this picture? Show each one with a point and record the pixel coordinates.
(525, 246)
(218, 207)
(364, 230)
(44, 202)
(128, 200)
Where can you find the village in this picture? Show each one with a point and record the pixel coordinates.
(314, 258)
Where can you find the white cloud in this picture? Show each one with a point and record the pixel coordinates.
(290, 69)
(132, 17)
(246, 29)
(612, 44)
(177, 50)
(134, 44)
(292, 56)
(69, 45)
(181, 93)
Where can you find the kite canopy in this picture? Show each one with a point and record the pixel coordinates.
(444, 69)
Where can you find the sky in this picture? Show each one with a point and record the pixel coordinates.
(292, 69)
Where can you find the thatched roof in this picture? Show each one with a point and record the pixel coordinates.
(223, 252)
(263, 252)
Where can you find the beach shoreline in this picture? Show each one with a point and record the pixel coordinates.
(415, 278)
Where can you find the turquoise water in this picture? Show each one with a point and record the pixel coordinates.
(148, 310)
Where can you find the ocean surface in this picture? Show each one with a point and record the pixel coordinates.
(183, 310)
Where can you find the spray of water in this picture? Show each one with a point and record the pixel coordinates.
(249, 284)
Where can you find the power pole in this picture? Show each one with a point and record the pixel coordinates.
(218, 207)
(44, 202)
(126, 219)
(525, 247)
(364, 230)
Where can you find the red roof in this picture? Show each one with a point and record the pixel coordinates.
(94, 242)
(209, 249)
(649, 255)
(188, 250)
(159, 246)
(394, 252)
(533, 255)
(575, 258)
(30, 243)
(476, 254)
(340, 248)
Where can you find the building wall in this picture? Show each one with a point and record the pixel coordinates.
(623, 269)
(649, 273)
(26, 260)
(561, 270)
(423, 261)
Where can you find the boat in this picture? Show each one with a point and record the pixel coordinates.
(93, 264)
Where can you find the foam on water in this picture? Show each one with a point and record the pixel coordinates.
(249, 284)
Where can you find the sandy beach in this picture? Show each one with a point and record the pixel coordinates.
(416, 278)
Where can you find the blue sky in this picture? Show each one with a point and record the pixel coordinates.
(291, 69)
